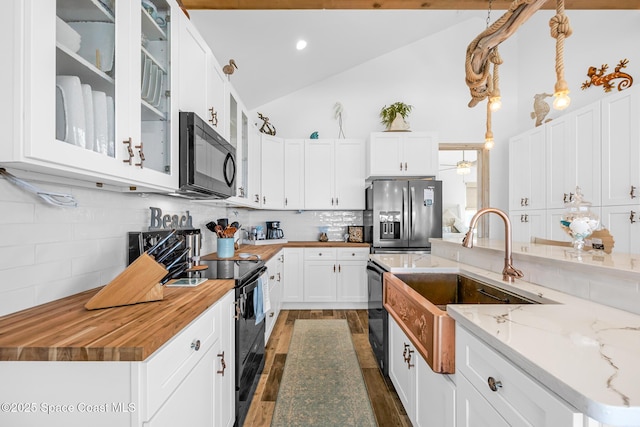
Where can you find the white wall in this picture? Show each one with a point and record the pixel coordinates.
(429, 74)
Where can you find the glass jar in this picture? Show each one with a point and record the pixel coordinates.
(578, 221)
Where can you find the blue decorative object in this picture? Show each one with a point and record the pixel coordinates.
(314, 135)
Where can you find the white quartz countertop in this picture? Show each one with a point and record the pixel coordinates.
(587, 353)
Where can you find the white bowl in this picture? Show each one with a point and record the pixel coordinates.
(87, 97)
(97, 45)
(100, 122)
(70, 119)
(67, 36)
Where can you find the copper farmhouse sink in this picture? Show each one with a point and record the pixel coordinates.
(418, 302)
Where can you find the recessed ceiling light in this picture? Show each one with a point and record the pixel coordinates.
(301, 44)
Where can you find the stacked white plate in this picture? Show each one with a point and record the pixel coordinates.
(70, 118)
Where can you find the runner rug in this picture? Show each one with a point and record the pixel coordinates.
(322, 384)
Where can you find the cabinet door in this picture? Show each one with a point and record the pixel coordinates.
(196, 392)
(194, 60)
(352, 281)
(624, 224)
(420, 154)
(272, 172)
(349, 174)
(320, 280)
(526, 158)
(293, 275)
(620, 148)
(225, 383)
(215, 103)
(435, 397)
(472, 410)
(528, 224)
(254, 167)
(294, 164)
(319, 174)
(384, 154)
(401, 372)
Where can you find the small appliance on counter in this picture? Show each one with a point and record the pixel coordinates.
(273, 236)
(274, 231)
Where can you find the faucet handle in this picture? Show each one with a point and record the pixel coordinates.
(510, 273)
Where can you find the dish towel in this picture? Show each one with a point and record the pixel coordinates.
(258, 299)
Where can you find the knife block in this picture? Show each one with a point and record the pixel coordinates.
(139, 282)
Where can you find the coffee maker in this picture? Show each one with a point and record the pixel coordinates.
(274, 231)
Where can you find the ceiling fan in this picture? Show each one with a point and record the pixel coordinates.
(462, 167)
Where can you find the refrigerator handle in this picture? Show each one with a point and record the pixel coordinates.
(412, 199)
(405, 215)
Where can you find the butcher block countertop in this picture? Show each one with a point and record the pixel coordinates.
(268, 251)
(63, 330)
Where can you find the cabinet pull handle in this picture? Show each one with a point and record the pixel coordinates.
(271, 314)
(632, 217)
(526, 201)
(129, 151)
(279, 277)
(571, 197)
(564, 198)
(353, 254)
(526, 217)
(223, 363)
(332, 201)
(632, 193)
(405, 166)
(339, 268)
(400, 166)
(264, 200)
(334, 268)
(337, 202)
(521, 217)
(286, 201)
(237, 316)
(214, 117)
(257, 198)
(195, 345)
(272, 277)
(141, 153)
(493, 384)
(406, 355)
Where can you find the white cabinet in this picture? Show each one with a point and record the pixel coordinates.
(402, 153)
(620, 148)
(294, 174)
(526, 166)
(528, 223)
(276, 283)
(428, 398)
(624, 224)
(335, 275)
(573, 157)
(193, 62)
(272, 172)
(293, 275)
(503, 390)
(190, 380)
(128, 107)
(334, 174)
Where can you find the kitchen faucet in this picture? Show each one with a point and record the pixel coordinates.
(509, 272)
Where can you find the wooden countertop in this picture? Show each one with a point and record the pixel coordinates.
(268, 251)
(63, 330)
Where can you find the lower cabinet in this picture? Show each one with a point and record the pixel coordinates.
(428, 397)
(293, 275)
(190, 380)
(493, 392)
(276, 283)
(335, 275)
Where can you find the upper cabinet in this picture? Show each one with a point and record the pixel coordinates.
(334, 175)
(526, 183)
(88, 104)
(402, 154)
(272, 172)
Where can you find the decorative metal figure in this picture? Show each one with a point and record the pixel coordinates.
(267, 127)
(597, 77)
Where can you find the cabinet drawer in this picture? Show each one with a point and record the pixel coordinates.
(171, 363)
(520, 400)
(355, 254)
(320, 253)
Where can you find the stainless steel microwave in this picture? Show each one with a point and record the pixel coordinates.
(207, 161)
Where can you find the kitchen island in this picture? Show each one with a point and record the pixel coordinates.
(583, 351)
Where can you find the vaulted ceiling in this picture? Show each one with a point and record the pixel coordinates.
(260, 35)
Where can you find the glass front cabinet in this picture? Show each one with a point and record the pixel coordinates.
(89, 84)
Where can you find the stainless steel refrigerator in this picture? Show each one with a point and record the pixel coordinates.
(402, 215)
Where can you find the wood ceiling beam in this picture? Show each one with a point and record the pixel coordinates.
(400, 4)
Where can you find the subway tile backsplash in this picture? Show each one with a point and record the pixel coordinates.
(49, 252)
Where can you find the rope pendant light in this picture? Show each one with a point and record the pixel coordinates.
(560, 30)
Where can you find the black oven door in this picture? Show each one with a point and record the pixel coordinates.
(378, 316)
(249, 348)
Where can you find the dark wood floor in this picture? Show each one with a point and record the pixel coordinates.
(384, 400)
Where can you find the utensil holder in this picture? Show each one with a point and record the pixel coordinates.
(139, 282)
(225, 247)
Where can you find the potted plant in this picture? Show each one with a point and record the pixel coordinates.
(393, 116)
